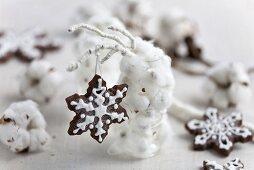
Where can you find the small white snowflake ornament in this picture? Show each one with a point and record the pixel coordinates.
(26, 46)
(228, 85)
(40, 81)
(22, 127)
(219, 131)
(235, 164)
(97, 109)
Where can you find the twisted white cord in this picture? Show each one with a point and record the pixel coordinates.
(125, 33)
(119, 47)
(96, 30)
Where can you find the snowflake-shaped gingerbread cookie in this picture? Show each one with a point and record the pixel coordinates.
(218, 131)
(97, 109)
(235, 164)
(26, 46)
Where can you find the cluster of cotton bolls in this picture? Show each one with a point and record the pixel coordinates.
(40, 81)
(87, 40)
(228, 85)
(135, 14)
(148, 75)
(22, 127)
(172, 31)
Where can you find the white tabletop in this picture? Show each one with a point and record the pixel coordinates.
(226, 32)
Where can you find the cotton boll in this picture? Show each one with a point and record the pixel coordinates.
(220, 99)
(138, 102)
(239, 93)
(16, 139)
(238, 73)
(84, 13)
(22, 127)
(38, 69)
(133, 66)
(40, 82)
(220, 73)
(162, 99)
(135, 14)
(51, 83)
(228, 85)
(173, 28)
(38, 139)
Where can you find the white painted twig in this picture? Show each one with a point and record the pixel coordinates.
(125, 33)
(119, 47)
(96, 30)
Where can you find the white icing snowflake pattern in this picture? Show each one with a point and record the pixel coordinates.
(97, 109)
(27, 46)
(218, 131)
(235, 164)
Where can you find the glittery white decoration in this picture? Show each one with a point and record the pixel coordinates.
(235, 164)
(87, 40)
(228, 85)
(22, 127)
(40, 81)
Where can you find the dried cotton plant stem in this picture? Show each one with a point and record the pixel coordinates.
(183, 111)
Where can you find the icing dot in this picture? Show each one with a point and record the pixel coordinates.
(91, 126)
(90, 98)
(107, 121)
(229, 133)
(106, 95)
(115, 106)
(232, 124)
(82, 115)
(214, 137)
(125, 89)
(203, 130)
(73, 103)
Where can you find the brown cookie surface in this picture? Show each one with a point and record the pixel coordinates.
(235, 164)
(218, 131)
(97, 109)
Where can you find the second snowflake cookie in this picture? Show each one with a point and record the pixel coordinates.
(219, 131)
